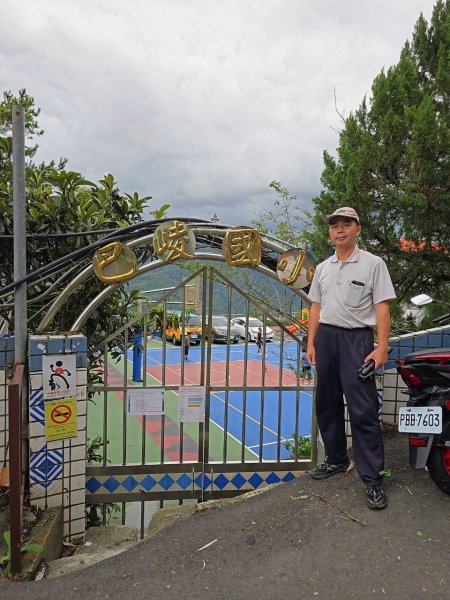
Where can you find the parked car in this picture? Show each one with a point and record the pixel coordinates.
(193, 325)
(253, 326)
(294, 329)
(219, 330)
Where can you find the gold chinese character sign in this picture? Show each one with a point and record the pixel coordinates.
(115, 263)
(242, 247)
(295, 268)
(173, 241)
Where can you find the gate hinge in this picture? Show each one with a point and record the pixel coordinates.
(9, 370)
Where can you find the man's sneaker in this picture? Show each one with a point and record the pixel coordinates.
(327, 470)
(376, 498)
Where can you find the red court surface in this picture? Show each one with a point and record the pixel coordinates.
(255, 374)
(153, 427)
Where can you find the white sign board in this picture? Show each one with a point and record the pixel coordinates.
(145, 402)
(192, 403)
(59, 376)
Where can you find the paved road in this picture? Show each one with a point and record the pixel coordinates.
(305, 539)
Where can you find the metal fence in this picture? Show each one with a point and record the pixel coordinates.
(257, 407)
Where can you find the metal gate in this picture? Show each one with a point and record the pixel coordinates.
(258, 407)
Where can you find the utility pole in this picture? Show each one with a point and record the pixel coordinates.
(17, 390)
(20, 240)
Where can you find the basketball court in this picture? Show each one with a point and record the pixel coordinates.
(247, 423)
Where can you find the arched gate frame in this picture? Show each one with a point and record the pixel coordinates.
(256, 405)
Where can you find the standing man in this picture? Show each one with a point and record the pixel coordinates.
(187, 345)
(259, 340)
(137, 353)
(306, 367)
(349, 296)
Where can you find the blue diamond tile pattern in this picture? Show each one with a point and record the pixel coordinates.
(238, 481)
(111, 484)
(184, 481)
(46, 466)
(148, 483)
(273, 478)
(256, 480)
(202, 481)
(37, 410)
(130, 484)
(221, 481)
(176, 482)
(166, 482)
(93, 485)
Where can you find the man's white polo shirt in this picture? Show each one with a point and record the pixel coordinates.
(348, 291)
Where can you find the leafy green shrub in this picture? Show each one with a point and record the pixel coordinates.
(299, 446)
(5, 560)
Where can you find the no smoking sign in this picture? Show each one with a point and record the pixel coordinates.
(61, 414)
(60, 419)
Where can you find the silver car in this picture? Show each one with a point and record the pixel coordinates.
(219, 330)
(253, 326)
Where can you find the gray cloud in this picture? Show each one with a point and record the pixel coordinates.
(199, 103)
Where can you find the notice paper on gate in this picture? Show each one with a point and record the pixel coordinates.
(145, 402)
(192, 403)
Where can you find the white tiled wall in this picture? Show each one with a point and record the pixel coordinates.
(65, 482)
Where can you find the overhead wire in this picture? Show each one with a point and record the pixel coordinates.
(123, 234)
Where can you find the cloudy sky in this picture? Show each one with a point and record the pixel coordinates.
(199, 103)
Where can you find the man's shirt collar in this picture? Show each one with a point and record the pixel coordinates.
(354, 257)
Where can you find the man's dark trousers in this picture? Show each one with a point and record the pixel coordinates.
(339, 354)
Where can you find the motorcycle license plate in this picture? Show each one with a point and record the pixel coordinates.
(420, 419)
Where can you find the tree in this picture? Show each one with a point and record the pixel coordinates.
(65, 213)
(393, 164)
(285, 220)
(31, 116)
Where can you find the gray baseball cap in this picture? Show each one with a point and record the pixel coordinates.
(343, 212)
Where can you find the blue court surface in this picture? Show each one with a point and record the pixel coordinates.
(269, 419)
(220, 353)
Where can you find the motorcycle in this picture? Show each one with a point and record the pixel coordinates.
(426, 417)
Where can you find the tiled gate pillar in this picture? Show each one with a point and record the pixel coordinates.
(57, 468)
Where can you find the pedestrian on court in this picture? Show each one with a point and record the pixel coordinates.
(306, 367)
(187, 345)
(259, 340)
(138, 349)
(349, 295)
